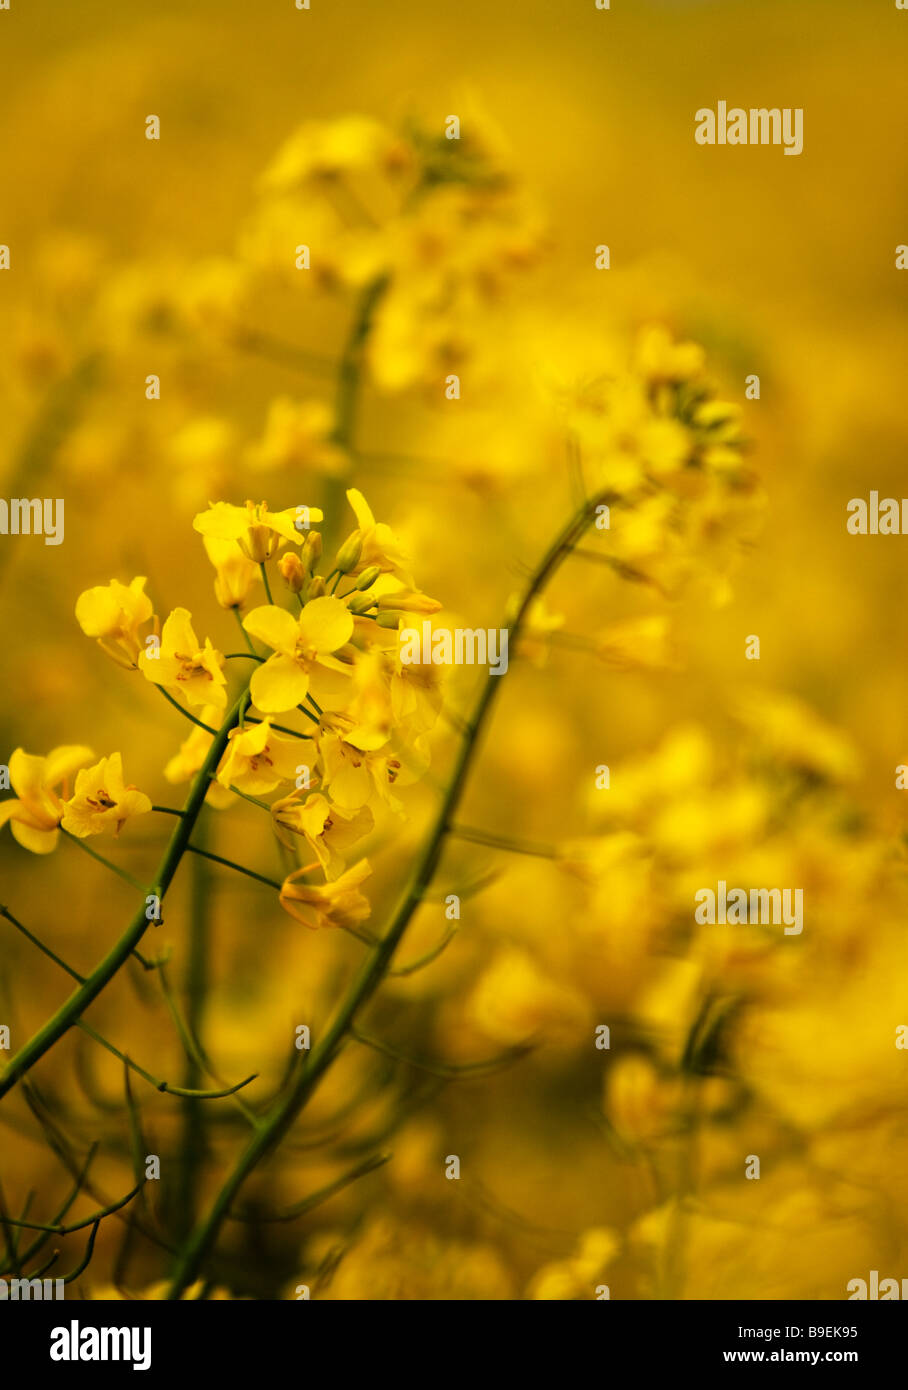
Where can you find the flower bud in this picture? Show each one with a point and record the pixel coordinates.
(349, 553)
(388, 619)
(359, 603)
(409, 601)
(258, 543)
(312, 550)
(316, 587)
(292, 571)
(368, 577)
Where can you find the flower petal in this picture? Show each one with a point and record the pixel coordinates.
(38, 841)
(278, 686)
(326, 624)
(275, 627)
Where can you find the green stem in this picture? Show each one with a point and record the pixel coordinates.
(79, 1225)
(193, 1139)
(185, 712)
(265, 582)
(229, 864)
(246, 638)
(119, 953)
(279, 1119)
(482, 837)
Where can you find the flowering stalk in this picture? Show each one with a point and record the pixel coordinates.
(276, 1123)
(69, 1012)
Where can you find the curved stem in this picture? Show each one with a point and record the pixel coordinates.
(119, 953)
(185, 712)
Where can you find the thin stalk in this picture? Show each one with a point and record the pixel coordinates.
(246, 638)
(73, 1008)
(229, 864)
(185, 712)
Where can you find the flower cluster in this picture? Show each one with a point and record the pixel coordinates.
(329, 653)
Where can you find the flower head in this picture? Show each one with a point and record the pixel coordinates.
(102, 801)
(330, 830)
(113, 613)
(234, 571)
(34, 813)
(335, 904)
(302, 657)
(379, 544)
(184, 668)
(257, 760)
(258, 531)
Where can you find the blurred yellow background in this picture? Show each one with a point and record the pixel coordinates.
(579, 1167)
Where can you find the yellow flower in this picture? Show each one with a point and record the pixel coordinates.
(380, 545)
(235, 572)
(327, 150)
(298, 435)
(258, 531)
(184, 668)
(356, 763)
(34, 813)
(101, 800)
(331, 831)
(516, 999)
(638, 643)
(579, 1276)
(660, 359)
(302, 653)
(113, 613)
(407, 601)
(335, 904)
(642, 1105)
(257, 760)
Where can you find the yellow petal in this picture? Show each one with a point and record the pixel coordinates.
(177, 635)
(326, 624)
(364, 518)
(275, 627)
(223, 520)
(38, 841)
(65, 760)
(278, 686)
(285, 523)
(27, 774)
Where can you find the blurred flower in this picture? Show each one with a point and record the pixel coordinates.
(578, 1276)
(331, 831)
(298, 435)
(338, 903)
(114, 613)
(35, 812)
